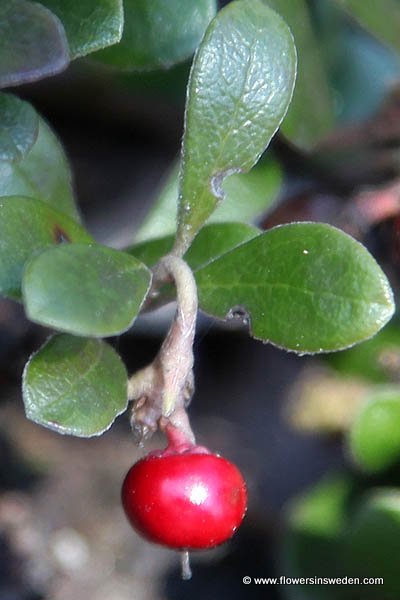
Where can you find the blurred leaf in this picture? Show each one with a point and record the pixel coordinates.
(247, 197)
(375, 434)
(26, 226)
(150, 251)
(166, 85)
(89, 24)
(311, 112)
(161, 218)
(372, 544)
(19, 126)
(217, 239)
(365, 544)
(352, 56)
(311, 544)
(240, 87)
(212, 241)
(158, 34)
(75, 386)
(381, 18)
(321, 511)
(32, 43)
(43, 173)
(376, 360)
(85, 289)
(306, 287)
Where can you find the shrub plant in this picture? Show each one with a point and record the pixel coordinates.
(306, 287)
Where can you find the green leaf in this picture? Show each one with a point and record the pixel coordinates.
(375, 434)
(161, 218)
(89, 24)
(311, 112)
(19, 126)
(372, 543)
(27, 226)
(381, 18)
(75, 386)
(217, 239)
(321, 510)
(376, 360)
(311, 542)
(32, 43)
(213, 241)
(43, 173)
(306, 287)
(362, 544)
(158, 34)
(248, 196)
(151, 251)
(85, 289)
(240, 87)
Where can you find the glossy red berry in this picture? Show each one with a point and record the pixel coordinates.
(189, 499)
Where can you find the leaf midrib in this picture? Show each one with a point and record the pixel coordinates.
(206, 189)
(264, 286)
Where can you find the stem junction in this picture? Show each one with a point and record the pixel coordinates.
(163, 389)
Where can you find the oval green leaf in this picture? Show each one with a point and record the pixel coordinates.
(75, 386)
(159, 34)
(19, 124)
(85, 289)
(248, 196)
(311, 112)
(374, 437)
(89, 24)
(43, 173)
(240, 87)
(26, 227)
(32, 43)
(306, 287)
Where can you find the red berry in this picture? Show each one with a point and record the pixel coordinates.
(185, 500)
